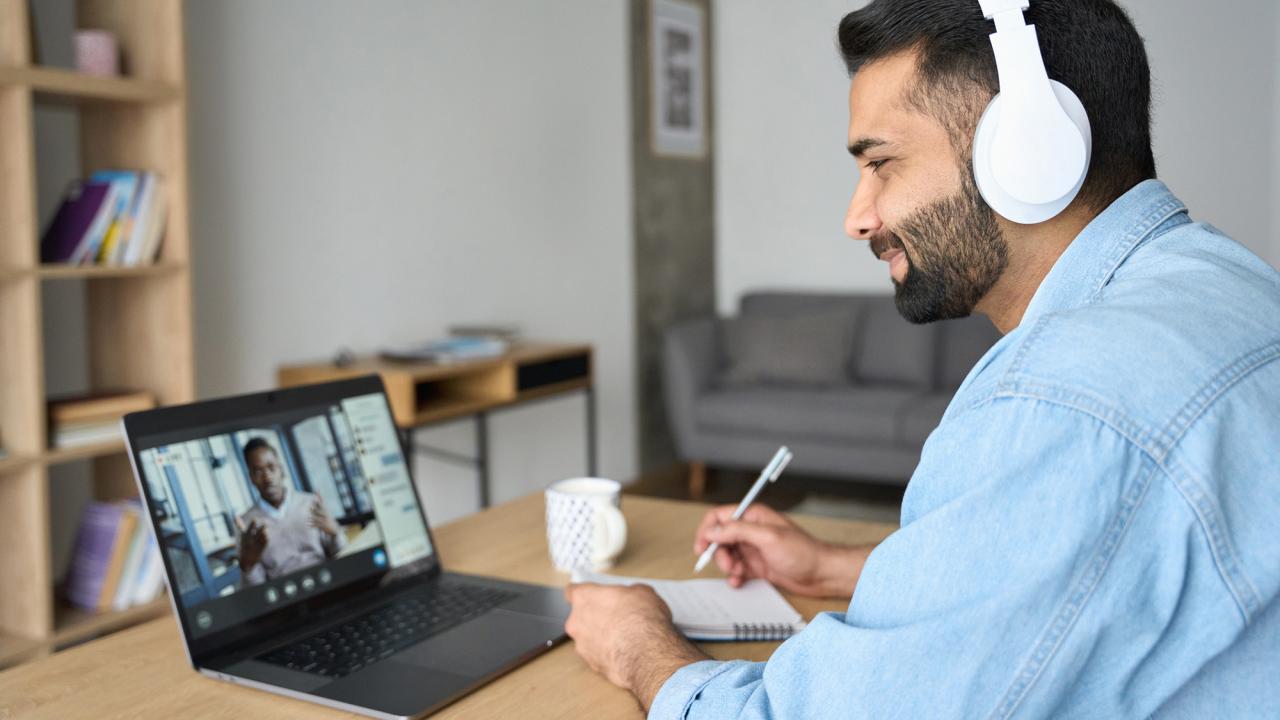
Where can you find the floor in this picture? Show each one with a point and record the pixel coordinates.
(869, 501)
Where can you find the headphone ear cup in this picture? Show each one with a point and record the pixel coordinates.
(1000, 200)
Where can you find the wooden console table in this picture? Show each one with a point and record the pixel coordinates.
(423, 394)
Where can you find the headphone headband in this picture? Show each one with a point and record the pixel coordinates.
(1031, 150)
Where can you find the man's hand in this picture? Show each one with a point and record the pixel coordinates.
(625, 634)
(766, 544)
(253, 542)
(321, 519)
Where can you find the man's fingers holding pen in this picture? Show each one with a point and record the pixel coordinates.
(740, 531)
(723, 515)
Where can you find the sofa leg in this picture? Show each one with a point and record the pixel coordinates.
(697, 479)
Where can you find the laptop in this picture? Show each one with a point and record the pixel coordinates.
(299, 559)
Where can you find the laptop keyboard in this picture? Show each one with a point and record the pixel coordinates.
(381, 633)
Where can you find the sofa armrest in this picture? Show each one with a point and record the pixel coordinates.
(690, 361)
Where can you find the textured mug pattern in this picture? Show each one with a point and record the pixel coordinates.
(574, 541)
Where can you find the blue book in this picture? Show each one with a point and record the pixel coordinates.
(87, 250)
(126, 184)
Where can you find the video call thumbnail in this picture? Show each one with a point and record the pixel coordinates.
(238, 509)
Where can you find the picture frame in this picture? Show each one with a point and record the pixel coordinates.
(677, 79)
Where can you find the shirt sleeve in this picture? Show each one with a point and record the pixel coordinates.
(734, 683)
(334, 543)
(257, 574)
(1009, 524)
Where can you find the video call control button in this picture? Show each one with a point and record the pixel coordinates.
(308, 583)
(204, 619)
(272, 595)
(290, 588)
(325, 576)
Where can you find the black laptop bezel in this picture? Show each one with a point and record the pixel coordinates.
(170, 423)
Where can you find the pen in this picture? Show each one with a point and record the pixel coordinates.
(768, 475)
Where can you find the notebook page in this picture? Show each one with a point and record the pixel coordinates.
(712, 604)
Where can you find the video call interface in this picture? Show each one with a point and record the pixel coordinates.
(255, 519)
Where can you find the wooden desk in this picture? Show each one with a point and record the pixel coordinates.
(424, 394)
(143, 672)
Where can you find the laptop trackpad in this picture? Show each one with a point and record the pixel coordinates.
(484, 644)
(395, 688)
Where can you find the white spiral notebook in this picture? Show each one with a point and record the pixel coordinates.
(712, 610)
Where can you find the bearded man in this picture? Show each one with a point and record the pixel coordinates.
(1091, 530)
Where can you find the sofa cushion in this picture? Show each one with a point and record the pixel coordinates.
(890, 350)
(919, 417)
(851, 414)
(963, 343)
(799, 348)
(787, 303)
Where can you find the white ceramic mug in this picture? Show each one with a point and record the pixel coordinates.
(585, 528)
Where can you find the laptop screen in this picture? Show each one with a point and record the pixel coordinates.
(261, 513)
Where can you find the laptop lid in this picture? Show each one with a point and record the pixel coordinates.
(276, 508)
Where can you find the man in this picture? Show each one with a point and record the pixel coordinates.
(1091, 531)
(288, 529)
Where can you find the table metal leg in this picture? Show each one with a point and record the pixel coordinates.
(481, 461)
(591, 430)
(482, 457)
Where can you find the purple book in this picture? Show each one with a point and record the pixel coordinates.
(92, 556)
(79, 209)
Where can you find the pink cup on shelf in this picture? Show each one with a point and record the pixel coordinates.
(97, 53)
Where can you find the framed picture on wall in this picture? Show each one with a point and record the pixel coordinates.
(677, 116)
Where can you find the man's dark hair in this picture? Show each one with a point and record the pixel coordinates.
(254, 445)
(1091, 46)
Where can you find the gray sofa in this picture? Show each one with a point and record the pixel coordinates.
(843, 380)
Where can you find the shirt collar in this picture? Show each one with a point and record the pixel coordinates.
(1092, 258)
(276, 512)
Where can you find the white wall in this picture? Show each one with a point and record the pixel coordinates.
(369, 173)
(1275, 146)
(783, 179)
(1214, 84)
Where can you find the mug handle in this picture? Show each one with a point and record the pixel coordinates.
(610, 533)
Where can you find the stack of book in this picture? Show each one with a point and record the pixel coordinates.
(94, 418)
(448, 350)
(116, 217)
(509, 332)
(116, 563)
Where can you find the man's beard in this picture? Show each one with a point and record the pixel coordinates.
(957, 254)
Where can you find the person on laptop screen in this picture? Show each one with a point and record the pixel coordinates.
(288, 529)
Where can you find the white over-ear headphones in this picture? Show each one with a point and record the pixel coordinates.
(1031, 150)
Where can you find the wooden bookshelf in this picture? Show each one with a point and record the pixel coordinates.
(54, 456)
(13, 463)
(90, 272)
(68, 86)
(76, 625)
(139, 320)
(15, 649)
(73, 272)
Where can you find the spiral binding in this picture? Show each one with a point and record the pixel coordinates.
(751, 632)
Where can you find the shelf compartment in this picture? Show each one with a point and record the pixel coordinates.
(73, 625)
(55, 456)
(69, 86)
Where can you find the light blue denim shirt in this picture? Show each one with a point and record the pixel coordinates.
(1093, 530)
